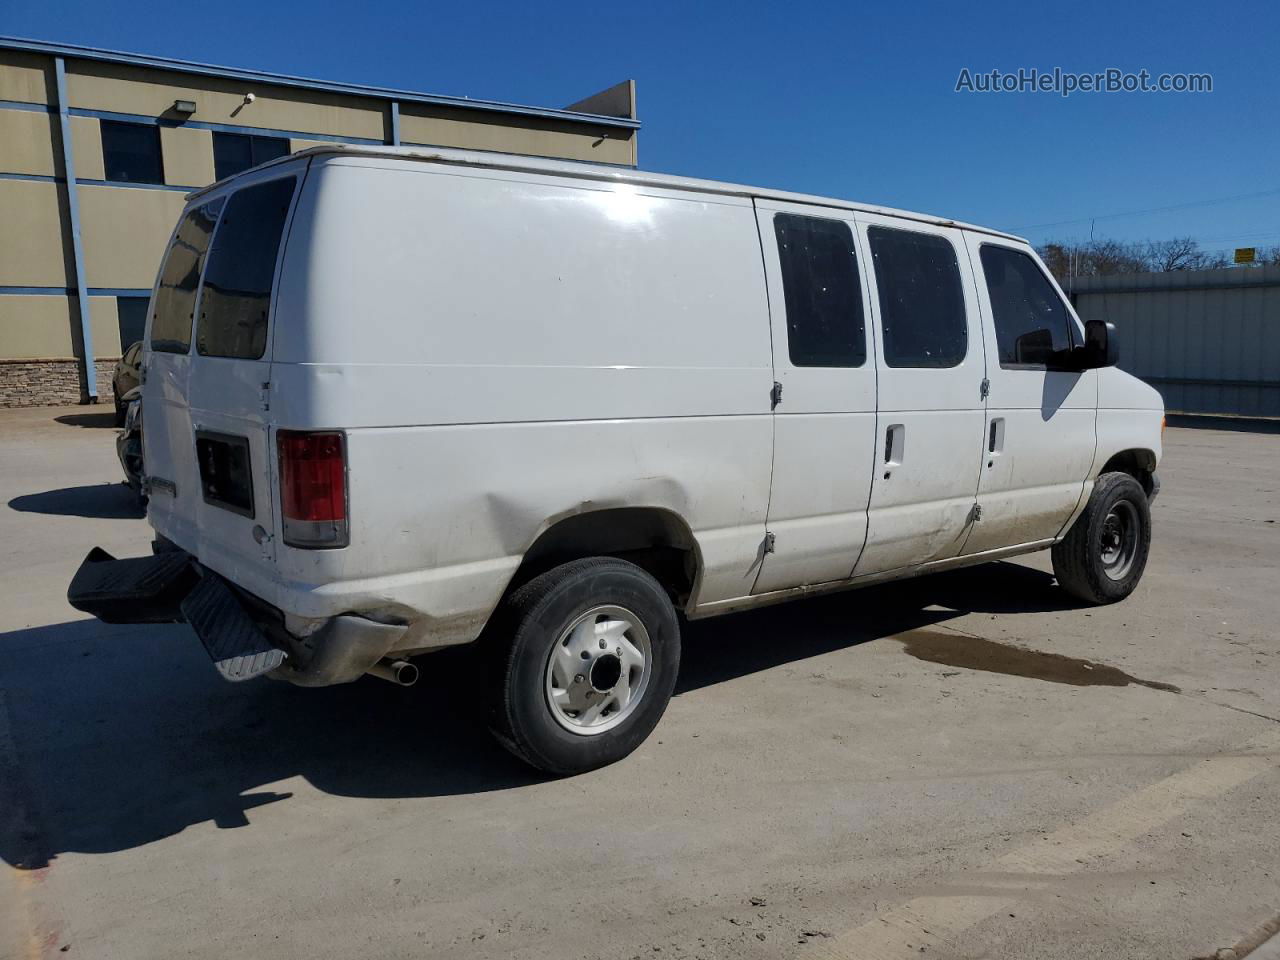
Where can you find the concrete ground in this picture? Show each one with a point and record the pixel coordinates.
(963, 766)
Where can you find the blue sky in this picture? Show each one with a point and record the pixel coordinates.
(847, 99)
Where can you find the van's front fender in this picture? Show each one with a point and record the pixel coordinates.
(1130, 419)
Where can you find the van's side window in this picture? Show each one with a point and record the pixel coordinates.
(921, 298)
(820, 287)
(175, 300)
(242, 262)
(1031, 320)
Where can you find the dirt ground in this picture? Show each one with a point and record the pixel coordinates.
(968, 765)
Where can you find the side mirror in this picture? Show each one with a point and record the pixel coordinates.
(1101, 346)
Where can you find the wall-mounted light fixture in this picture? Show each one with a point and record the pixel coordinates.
(187, 107)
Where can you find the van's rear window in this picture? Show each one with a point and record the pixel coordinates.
(175, 299)
(237, 281)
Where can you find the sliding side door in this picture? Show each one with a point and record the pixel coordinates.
(930, 414)
(824, 412)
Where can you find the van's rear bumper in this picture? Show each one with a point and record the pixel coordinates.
(241, 633)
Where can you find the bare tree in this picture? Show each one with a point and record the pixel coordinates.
(1163, 256)
(1106, 257)
(1112, 256)
(1057, 258)
(1180, 253)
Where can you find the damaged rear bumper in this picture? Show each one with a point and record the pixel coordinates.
(136, 590)
(242, 635)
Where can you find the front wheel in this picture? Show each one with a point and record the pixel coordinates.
(1103, 555)
(592, 649)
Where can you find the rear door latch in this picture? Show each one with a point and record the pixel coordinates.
(775, 395)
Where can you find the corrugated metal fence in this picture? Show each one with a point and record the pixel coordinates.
(1208, 340)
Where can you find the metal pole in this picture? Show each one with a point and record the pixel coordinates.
(395, 123)
(73, 207)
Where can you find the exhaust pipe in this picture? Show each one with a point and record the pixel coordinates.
(400, 672)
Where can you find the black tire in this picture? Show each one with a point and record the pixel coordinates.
(531, 622)
(1080, 560)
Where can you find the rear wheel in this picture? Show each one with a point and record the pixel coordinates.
(1102, 557)
(589, 656)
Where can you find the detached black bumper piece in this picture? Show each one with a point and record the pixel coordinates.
(136, 590)
(172, 588)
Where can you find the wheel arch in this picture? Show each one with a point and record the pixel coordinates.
(656, 539)
(1138, 462)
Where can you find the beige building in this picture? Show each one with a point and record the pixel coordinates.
(98, 150)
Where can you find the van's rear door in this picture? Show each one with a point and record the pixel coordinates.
(168, 462)
(219, 444)
(230, 380)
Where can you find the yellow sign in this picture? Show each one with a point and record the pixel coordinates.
(1246, 254)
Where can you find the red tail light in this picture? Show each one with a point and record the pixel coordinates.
(313, 488)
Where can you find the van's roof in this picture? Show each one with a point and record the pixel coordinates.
(607, 173)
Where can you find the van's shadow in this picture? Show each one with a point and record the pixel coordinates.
(730, 646)
(105, 419)
(123, 735)
(102, 501)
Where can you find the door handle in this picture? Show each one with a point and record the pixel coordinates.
(895, 443)
(995, 439)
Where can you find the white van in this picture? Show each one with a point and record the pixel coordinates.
(399, 399)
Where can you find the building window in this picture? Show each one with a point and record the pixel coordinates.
(821, 290)
(921, 298)
(131, 152)
(1032, 325)
(132, 314)
(235, 152)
